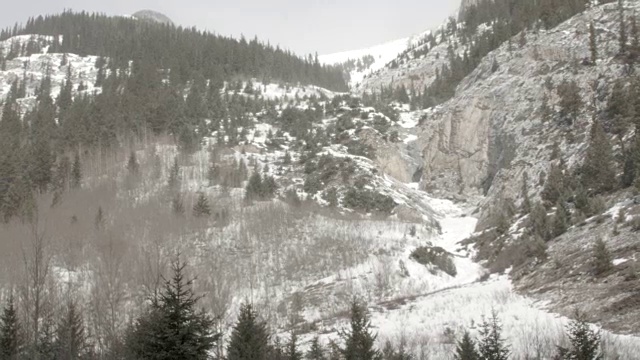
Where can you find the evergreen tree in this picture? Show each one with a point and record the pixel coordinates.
(99, 220)
(174, 176)
(359, 341)
(466, 348)
(491, 346)
(46, 345)
(570, 100)
(10, 332)
(554, 186)
(292, 352)
(76, 172)
(585, 343)
(526, 202)
(622, 38)
(560, 220)
(254, 188)
(71, 342)
(315, 351)
(177, 206)
(593, 43)
(132, 165)
(201, 208)
(598, 174)
(173, 328)
(601, 257)
(249, 338)
(286, 160)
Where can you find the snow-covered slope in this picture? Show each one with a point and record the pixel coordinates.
(382, 55)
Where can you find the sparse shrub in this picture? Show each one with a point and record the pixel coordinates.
(291, 197)
(436, 257)
(635, 223)
(331, 196)
(368, 200)
(622, 216)
(412, 231)
(359, 149)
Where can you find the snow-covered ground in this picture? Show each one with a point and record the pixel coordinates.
(428, 322)
(382, 54)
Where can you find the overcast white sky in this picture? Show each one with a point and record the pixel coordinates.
(304, 26)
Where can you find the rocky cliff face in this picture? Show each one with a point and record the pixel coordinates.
(492, 131)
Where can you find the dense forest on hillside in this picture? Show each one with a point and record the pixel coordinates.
(182, 52)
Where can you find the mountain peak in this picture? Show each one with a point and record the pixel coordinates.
(153, 16)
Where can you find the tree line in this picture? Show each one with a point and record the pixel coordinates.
(178, 51)
(173, 327)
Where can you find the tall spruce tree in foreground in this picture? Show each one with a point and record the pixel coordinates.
(466, 348)
(173, 328)
(71, 341)
(359, 340)
(10, 332)
(293, 353)
(491, 346)
(249, 338)
(316, 352)
(584, 342)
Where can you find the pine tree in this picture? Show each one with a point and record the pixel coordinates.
(315, 351)
(173, 328)
(359, 341)
(71, 342)
(174, 176)
(601, 257)
(249, 338)
(293, 353)
(570, 100)
(598, 174)
(76, 172)
(10, 332)
(554, 186)
(99, 220)
(560, 220)
(286, 160)
(585, 343)
(254, 188)
(526, 201)
(132, 165)
(466, 349)
(46, 344)
(622, 38)
(491, 346)
(201, 208)
(177, 206)
(593, 43)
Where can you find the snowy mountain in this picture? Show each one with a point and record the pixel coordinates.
(152, 16)
(315, 197)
